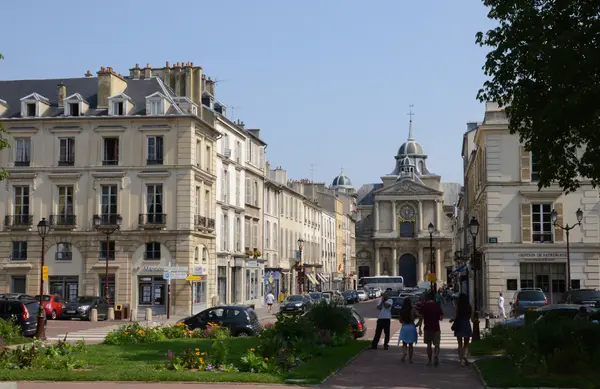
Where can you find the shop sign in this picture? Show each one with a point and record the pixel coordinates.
(542, 257)
(251, 263)
(199, 271)
(164, 269)
(175, 275)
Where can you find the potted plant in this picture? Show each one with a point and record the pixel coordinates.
(257, 253)
(250, 253)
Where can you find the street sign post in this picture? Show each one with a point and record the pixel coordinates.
(45, 273)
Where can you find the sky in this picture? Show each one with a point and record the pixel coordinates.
(328, 82)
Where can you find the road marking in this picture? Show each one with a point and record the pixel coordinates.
(447, 341)
(91, 334)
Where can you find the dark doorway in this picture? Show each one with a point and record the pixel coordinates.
(363, 271)
(408, 269)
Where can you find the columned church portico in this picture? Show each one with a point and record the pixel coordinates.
(392, 232)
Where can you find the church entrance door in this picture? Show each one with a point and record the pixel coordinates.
(408, 269)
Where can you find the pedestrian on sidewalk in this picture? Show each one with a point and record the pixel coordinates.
(462, 327)
(432, 314)
(501, 305)
(383, 322)
(270, 301)
(408, 333)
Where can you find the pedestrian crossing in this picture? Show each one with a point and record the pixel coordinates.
(447, 341)
(91, 335)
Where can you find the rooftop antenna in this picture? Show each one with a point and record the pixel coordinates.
(410, 129)
(313, 168)
(233, 108)
(216, 80)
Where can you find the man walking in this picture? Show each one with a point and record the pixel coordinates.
(383, 322)
(270, 301)
(432, 314)
(501, 305)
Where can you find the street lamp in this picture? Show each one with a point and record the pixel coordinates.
(107, 228)
(301, 267)
(474, 230)
(345, 272)
(43, 230)
(431, 228)
(567, 228)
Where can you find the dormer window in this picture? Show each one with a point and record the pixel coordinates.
(34, 105)
(207, 100)
(156, 104)
(219, 108)
(3, 107)
(75, 105)
(119, 105)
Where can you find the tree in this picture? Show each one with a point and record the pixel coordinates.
(3, 143)
(544, 68)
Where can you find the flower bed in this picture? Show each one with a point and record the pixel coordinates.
(10, 333)
(58, 356)
(135, 333)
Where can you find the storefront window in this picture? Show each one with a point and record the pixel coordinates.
(18, 284)
(222, 284)
(65, 287)
(255, 284)
(248, 284)
(199, 292)
(111, 288)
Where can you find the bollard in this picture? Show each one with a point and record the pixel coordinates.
(148, 314)
(111, 313)
(94, 315)
(133, 315)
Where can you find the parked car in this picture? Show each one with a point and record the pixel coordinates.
(398, 301)
(240, 319)
(296, 303)
(316, 296)
(358, 323)
(333, 298)
(527, 300)
(81, 308)
(587, 297)
(53, 305)
(23, 311)
(362, 295)
(350, 296)
(569, 310)
(17, 296)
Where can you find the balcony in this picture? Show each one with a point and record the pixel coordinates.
(64, 256)
(66, 162)
(63, 221)
(204, 222)
(110, 162)
(18, 221)
(108, 220)
(152, 220)
(22, 163)
(154, 161)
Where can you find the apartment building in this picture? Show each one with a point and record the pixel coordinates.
(328, 249)
(130, 154)
(271, 237)
(520, 246)
(312, 244)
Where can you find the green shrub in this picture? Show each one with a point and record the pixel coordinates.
(57, 356)
(134, 333)
(328, 317)
(497, 337)
(10, 332)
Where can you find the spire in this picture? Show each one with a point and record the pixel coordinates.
(410, 128)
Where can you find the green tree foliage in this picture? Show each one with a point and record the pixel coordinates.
(3, 143)
(544, 68)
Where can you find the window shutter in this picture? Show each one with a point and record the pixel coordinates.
(558, 232)
(526, 223)
(525, 164)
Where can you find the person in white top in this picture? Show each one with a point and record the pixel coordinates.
(383, 321)
(501, 305)
(270, 301)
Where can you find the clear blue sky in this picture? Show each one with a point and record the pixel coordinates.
(328, 82)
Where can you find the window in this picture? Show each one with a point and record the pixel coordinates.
(268, 199)
(21, 204)
(275, 246)
(224, 185)
(407, 229)
(19, 251)
(198, 153)
(248, 191)
(18, 284)
(74, 109)
(31, 109)
(225, 233)
(207, 162)
(111, 287)
(155, 150)
(197, 209)
(247, 233)
(108, 201)
(23, 151)
(103, 250)
(238, 182)
(575, 284)
(66, 153)
(255, 193)
(152, 251)
(268, 236)
(512, 284)
(535, 168)
(199, 292)
(154, 204)
(118, 108)
(64, 252)
(238, 152)
(196, 255)
(110, 151)
(255, 234)
(237, 234)
(225, 145)
(541, 223)
(65, 200)
(156, 107)
(248, 151)
(207, 212)
(204, 254)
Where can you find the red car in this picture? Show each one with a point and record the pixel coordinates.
(53, 305)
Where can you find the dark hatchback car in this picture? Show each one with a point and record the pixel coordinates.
(561, 310)
(240, 319)
(296, 303)
(81, 308)
(587, 297)
(527, 300)
(316, 296)
(359, 326)
(398, 301)
(23, 311)
(350, 296)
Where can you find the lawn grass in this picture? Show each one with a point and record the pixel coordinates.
(482, 347)
(500, 373)
(140, 362)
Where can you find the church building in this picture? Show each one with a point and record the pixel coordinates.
(401, 215)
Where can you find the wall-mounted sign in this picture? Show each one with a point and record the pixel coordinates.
(162, 269)
(251, 263)
(492, 239)
(541, 256)
(199, 270)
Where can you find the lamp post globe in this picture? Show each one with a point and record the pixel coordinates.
(579, 215)
(474, 227)
(554, 216)
(430, 228)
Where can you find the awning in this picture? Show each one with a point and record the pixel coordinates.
(313, 279)
(322, 277)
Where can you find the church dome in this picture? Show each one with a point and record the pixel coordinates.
(341, 181)
(410, 147)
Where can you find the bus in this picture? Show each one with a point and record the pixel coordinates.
(396, 283)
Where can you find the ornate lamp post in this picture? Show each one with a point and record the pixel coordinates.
(475, 263)
(431, 229)
(107, 229)
(300, 267)
(43, 230)
(567, 228)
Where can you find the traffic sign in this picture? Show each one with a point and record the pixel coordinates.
(178, 275)
(431, 277)
(166, 276)
(193, 278)
(45, 273)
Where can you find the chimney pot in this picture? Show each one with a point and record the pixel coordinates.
(167, 64)
(147, 66)
(88, 74)
(102, 69)
(191, 64)
(137, 65)
(177, 65)
(110, 69)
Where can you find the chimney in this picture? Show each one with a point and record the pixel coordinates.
(148, 71)
(109, 84)
(135, 72)
(62, 93)
(88, 74)
(210, 86)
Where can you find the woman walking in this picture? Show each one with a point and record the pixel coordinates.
(408, 333)
(462, 327)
